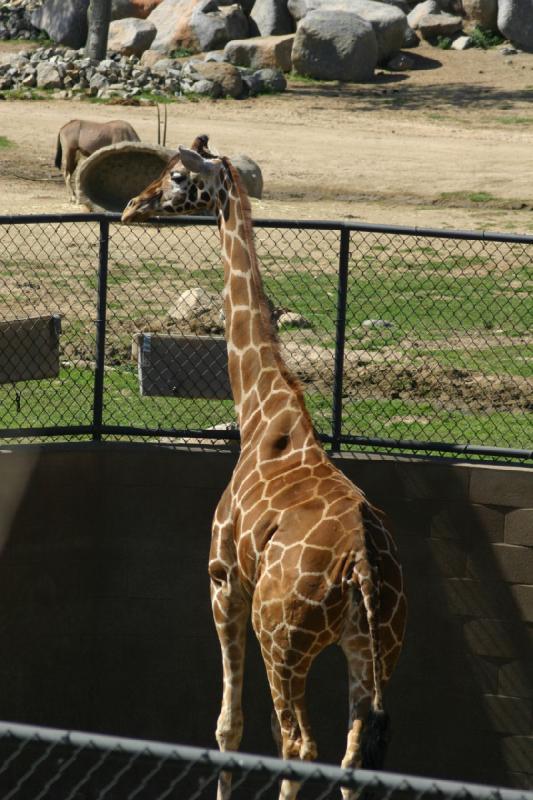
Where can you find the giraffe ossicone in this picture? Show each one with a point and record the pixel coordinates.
(294, 542)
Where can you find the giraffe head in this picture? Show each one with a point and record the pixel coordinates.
(193, 180)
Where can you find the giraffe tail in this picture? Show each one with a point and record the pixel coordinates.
(58, 153)
(375, 734)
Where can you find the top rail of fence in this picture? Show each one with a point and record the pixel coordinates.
(271, 222)
(246, 763)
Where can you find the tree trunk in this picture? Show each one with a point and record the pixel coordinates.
(99, 16)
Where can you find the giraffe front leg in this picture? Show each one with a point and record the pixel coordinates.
(230, 612)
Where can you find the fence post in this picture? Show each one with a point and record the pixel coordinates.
(340, 336)
(101, 308)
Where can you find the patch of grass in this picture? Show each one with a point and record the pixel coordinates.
(485, 39)
(515, 120)
(180, 52)
(443, 42)
(472, 197)
(24, 93)
(5, 142)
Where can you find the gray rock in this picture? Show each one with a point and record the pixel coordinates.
(377, 323)
(481, 13)
(261, 52)
(335, 45)
(120, 9)
(271, 80)
(214, 26)
(410, 38)
(199, 310)
(388, 21)
(422, 10)
(226, 75)
(200, 25)
(515, 22)
(65, 21)
(433, 25)
(291, 319)
(206, 87)
(462, 43)
(272, 17)
(98, 82)
(48, 76)
(131, 36)
(250, 173)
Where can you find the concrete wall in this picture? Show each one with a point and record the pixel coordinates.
(105, 622)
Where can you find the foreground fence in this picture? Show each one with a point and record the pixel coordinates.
(47, 764)
(405, 339)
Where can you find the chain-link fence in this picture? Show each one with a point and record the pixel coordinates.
(404, 339)
(48, 764)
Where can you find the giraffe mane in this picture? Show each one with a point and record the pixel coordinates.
(266, 315)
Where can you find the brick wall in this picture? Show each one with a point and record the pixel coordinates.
(104, 597)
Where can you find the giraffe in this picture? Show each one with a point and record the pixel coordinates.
(295, 545)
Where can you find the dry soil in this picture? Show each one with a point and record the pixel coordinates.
(446, 144)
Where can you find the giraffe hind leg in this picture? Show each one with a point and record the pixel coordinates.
(230, 611)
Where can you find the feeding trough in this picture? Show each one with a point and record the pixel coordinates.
(109, 178)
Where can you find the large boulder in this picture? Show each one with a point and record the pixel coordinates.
(515, 22)
(197, 25)
(261, 52)
(226, 76)
(481, 14)
(434, 25)
(121, 9)
(422, 10)
(250, 174)
(272, 17)
(65, 21)
(335, 45)
(131, 37)
(389, 21)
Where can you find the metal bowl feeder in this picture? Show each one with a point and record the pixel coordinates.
(109, 178)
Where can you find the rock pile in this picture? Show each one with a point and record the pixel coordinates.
(15, 24)
(323, 39)
(71, 72)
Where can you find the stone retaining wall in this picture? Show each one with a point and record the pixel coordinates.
(105, 621)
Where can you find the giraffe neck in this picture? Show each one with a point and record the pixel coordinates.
(256, 368)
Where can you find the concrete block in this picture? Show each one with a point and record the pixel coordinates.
(507, 562)
(509, 714)
(449, 558)
(515, 679)
(470, 598)
(523, 597)
(487, 523)
(502, 486)
(518, 753)
(519, 527)
(484, 674)
(490, 637)
(433, 480)
(452, 521)
(520, 780)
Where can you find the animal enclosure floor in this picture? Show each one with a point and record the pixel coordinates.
(446, 144)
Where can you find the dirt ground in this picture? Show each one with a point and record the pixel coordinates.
(447, 144)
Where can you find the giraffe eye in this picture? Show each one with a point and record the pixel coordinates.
(178, 177)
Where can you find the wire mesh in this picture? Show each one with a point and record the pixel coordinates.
(430, 348)
(47, 764)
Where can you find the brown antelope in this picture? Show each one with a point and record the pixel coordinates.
(79, 137)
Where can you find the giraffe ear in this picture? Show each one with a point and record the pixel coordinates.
(194, 162)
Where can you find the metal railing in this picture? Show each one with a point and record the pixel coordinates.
(47, 764)
(406, 340)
